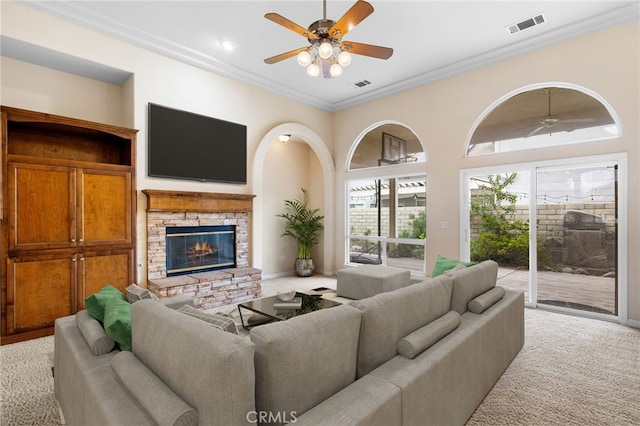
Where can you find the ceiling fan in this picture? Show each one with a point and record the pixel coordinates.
(327, 50)
(550, 121)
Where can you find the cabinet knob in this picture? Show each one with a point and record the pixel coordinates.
(81, 240)
(73, 240)
(74, 259)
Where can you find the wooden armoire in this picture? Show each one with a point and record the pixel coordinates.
(68, 217)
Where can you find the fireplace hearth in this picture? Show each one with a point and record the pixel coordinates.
(200, 248)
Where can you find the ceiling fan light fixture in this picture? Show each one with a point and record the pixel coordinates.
(344, 58)
(304, 58)
(325, 50)
(335, 70)
(313, 70)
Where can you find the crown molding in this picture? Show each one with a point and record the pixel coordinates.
(76, 13)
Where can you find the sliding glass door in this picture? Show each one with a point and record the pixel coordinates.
(577, 227)
(553, 228)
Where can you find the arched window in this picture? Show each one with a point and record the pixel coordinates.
(543, 117)
(386, 199)
(387, 145)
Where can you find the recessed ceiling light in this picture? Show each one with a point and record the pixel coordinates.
(228, 45)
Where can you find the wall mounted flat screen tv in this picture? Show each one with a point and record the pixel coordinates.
(184, 145)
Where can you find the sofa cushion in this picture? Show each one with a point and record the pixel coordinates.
(93, 333)
(306, 359)
(96, 303)
(423, 338)
(388, 317)
(117, 322)
(486, 300)
(135, 293)
(217, 320)
(370, 401)
(471, 282)
(444, 264)
(209, 369)
(162, 404)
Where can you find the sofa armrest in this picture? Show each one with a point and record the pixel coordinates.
(73, 360)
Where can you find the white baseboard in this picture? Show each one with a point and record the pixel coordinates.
(633, 323)
(279, 275)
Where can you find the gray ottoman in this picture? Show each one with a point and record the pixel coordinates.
(366, 281)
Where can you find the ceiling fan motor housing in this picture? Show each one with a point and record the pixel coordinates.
(321, 28)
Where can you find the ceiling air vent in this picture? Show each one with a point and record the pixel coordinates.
(361, 84)
(527, 23)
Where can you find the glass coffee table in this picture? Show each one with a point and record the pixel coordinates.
(269, 309)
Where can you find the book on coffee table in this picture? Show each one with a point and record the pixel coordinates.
(295, 303)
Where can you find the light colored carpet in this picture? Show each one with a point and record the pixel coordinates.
(571, 371)
(26, 384)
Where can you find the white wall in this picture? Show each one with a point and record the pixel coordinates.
(442, 115)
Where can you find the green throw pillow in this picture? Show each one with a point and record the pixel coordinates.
(117, 322)
(96, 303)
(443, 264)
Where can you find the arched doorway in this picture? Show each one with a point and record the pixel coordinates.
(266, 204)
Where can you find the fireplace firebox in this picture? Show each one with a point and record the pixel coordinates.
(200, 248)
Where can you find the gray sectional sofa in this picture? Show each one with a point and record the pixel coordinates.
(425, 354)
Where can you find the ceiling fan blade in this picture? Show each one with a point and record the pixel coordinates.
(535, 131)
(367, 49)
(290, 25)
(360, 10)
(283, 56)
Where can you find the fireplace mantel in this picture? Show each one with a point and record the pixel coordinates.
(180, 201)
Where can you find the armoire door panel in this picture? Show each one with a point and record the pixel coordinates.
(104, 204)
(98, 270)
(39, 291)
(42, 214)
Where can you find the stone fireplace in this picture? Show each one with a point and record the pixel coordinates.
(198, 245)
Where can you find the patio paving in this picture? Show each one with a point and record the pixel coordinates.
(585, 290)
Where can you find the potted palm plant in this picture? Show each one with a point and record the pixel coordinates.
(303, 224)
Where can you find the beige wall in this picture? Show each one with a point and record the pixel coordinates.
(167, 82)
(443, 113)
(43, 89)
(283, 181)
